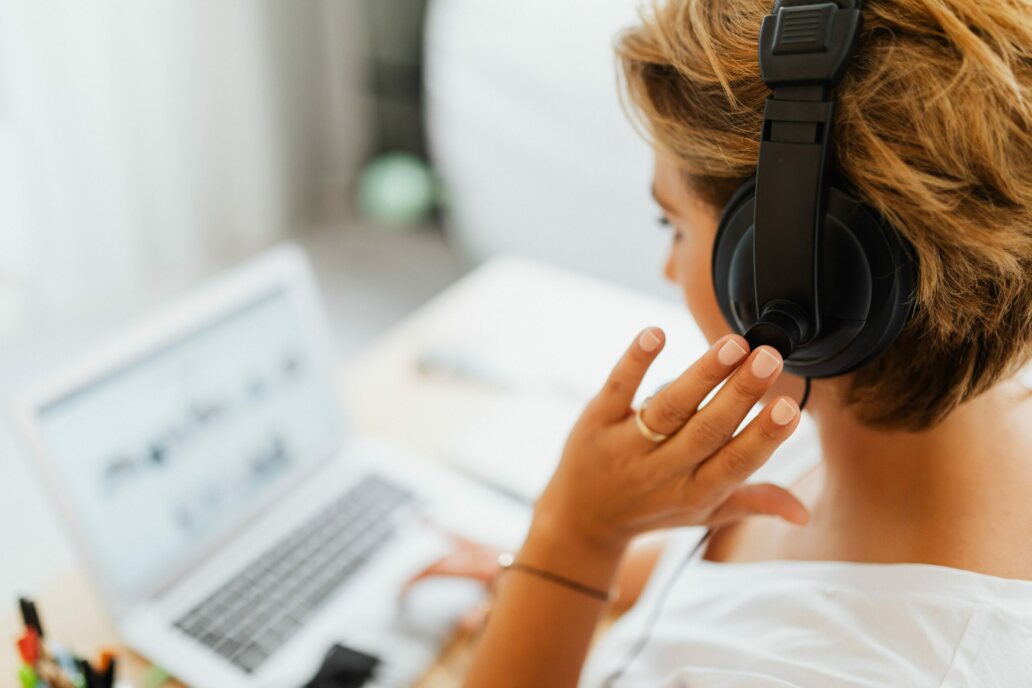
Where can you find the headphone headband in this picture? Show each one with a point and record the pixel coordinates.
(807, 42)
(799, 263)
(804, 50)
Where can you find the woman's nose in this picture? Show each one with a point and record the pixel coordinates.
(668, 270)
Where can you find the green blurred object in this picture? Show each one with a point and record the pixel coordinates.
(28, 676)
(154, 677)
(396, 190)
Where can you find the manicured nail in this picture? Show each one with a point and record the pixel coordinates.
(648, 340)
(783, 412)
(764, 365)
(731, 353)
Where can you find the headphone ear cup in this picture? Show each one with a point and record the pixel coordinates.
(867, 278)
(890, 274)
(732, 263)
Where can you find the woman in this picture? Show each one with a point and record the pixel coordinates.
(902, 558)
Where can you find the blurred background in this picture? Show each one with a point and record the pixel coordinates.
(148, 144)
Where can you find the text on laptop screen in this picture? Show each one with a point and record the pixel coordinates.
(167, 452)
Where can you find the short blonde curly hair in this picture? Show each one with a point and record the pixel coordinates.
(933, 129)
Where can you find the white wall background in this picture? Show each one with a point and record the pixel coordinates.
(144, 143)
(527, 129)
(141, 139)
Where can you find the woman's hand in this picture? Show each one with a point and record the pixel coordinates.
(468, 559)
(613, 482)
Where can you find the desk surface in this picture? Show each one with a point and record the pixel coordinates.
(526, 324)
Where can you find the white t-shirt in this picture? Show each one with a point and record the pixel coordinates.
(782, 624)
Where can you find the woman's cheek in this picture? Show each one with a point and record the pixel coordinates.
(695, 275)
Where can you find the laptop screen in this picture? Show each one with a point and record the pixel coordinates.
(164, 454)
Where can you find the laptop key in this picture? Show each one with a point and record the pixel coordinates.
(250, 657)
(269, 640)
(228, 647)
(260, 609)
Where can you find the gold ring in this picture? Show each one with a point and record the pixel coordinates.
(647, 432)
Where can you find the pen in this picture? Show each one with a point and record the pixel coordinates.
(30, 615)
(106, 669)
(64, 659)
(88, 676)
(28, 676)
(28, 646)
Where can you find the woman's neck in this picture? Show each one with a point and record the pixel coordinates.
(957, 494)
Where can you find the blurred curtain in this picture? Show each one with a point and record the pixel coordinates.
(143, 140)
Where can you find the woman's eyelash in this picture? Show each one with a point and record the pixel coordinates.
(663, 221)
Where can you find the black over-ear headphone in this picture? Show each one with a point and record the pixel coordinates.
(799, 264)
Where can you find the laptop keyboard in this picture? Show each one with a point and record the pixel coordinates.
(257, 611)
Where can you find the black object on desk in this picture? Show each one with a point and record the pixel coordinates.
(344, 668)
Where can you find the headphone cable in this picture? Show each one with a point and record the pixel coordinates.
(646, 634)
(806, 394)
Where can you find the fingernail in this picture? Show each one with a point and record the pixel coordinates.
(783, 412)
(648, 340)
(764, 365)
(731, 353)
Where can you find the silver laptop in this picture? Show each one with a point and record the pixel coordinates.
(234, 528)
